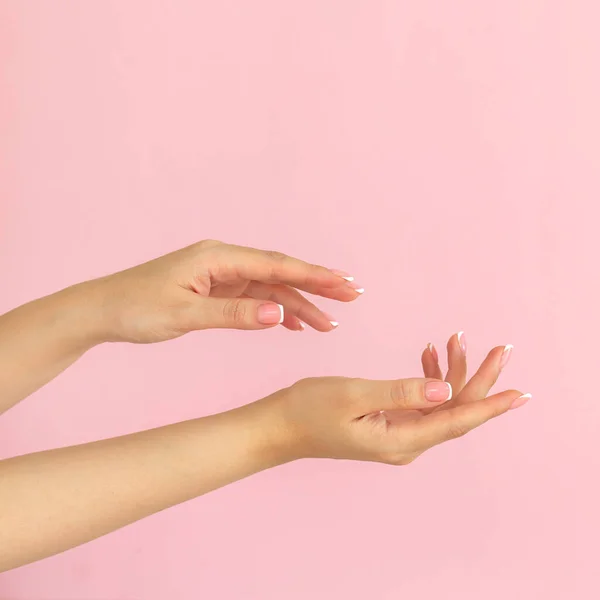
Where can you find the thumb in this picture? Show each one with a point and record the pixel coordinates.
(404, 394)
(237, 313)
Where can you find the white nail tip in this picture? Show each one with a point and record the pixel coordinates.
(334, 323)
(450, 392)
(508, 347)
(302, 328)
(360, 291)
(525, 396)
(348, 278)
(282, 314)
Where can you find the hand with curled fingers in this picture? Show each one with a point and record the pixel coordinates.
(216, 285)
(391, 421)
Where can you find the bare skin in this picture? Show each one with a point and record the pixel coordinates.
(54, 500)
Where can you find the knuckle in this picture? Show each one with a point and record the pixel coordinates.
(496, 412)
(234, 311)
(275, 255)
(275, 264)
(306, 382)
(400, 393)
(205, 244)
(342, 389)
(456, 430)
(352, 388)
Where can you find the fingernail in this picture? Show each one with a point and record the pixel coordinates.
(333, 322)
(433, 351)
(342, 274)
(301, 325)
(270, 314)
(462, 341)
(520, 401)
(357, 288)
(438, 391)
(506, 355)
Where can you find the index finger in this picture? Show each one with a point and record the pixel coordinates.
(278, 268)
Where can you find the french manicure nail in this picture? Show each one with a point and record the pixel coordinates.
(342, 274)
(270, 314)
(356, 287)
(301, 325)
(433, 351)
(462, 341)
(506, 355)
(333, 322)
(438, 391)
(520, 401)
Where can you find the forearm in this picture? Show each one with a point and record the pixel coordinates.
(41, 339)
(55, 500)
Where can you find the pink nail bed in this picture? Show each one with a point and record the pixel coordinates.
(462, 341)
(520, 401)
(438, 391)
(433, 351)
(506, 353)
(270, 314)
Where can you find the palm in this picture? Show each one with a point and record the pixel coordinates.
(456, 376)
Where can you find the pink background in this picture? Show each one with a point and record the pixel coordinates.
(446, 153)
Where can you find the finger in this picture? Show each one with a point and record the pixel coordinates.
(294, 303)
(234, 313)
(293, 323)
(444, 425)
(377, 396)
(457, 362)
(430, 362)
(275, 267)
(482, 382)
(289, 321)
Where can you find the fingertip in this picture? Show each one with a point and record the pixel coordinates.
(432, 350)
(356, 287)
(502, 402)
(457, 345)
(333, 322)
(293, 324)
(462, 342)
(343, 274)
(520, 401)
(344, 288)
(323, 323)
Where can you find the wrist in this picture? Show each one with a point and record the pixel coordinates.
(80, 310)
(270, 439)
(278, 441)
